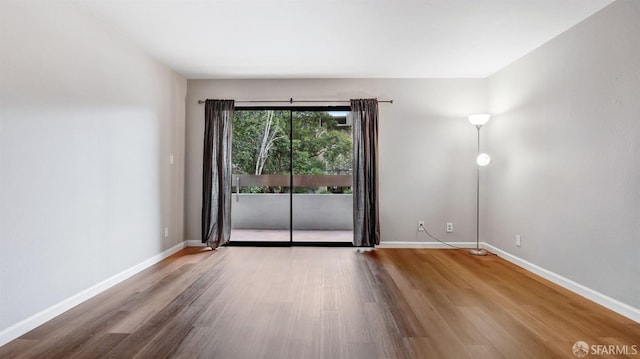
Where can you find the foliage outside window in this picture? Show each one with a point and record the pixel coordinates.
(322, 145)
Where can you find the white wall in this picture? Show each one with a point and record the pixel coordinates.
(565, 138)
(427, 147)
(87, 123)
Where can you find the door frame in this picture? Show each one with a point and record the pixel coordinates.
(291, 242)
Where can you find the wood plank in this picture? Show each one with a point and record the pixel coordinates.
(301, 302)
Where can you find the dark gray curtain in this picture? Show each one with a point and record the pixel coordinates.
(216, 172)
(366, 226)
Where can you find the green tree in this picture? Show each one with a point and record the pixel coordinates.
(261, 144)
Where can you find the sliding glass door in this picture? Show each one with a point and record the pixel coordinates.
(261, 157)
(322, 205)
(292, 176)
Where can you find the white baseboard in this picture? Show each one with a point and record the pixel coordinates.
(434, 245)
(40, 318)
(606, 301)
(383, 244)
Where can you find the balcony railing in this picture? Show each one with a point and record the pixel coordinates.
(298, 180)
(310, 211)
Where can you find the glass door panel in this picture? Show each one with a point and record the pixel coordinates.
(322, 204)
(261, 157)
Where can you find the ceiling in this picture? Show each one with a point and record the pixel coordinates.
(339, 38)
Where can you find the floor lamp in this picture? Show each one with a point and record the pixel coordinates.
(482, 160)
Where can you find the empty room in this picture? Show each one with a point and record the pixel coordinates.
(319, 179)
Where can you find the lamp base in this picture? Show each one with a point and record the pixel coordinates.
(478, 252)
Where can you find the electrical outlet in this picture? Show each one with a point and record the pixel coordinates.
(166, 231)
(420, 226)
(518, 240)
(449, 227)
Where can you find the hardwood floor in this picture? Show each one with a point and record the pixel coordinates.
(245, 302)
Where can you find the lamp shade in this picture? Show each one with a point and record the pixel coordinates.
(483, 159)
(479, 119)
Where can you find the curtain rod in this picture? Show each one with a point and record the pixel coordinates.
(291, 100)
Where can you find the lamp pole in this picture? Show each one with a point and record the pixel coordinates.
(478, 251)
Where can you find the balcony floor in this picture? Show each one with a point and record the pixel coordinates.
(274, 235)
